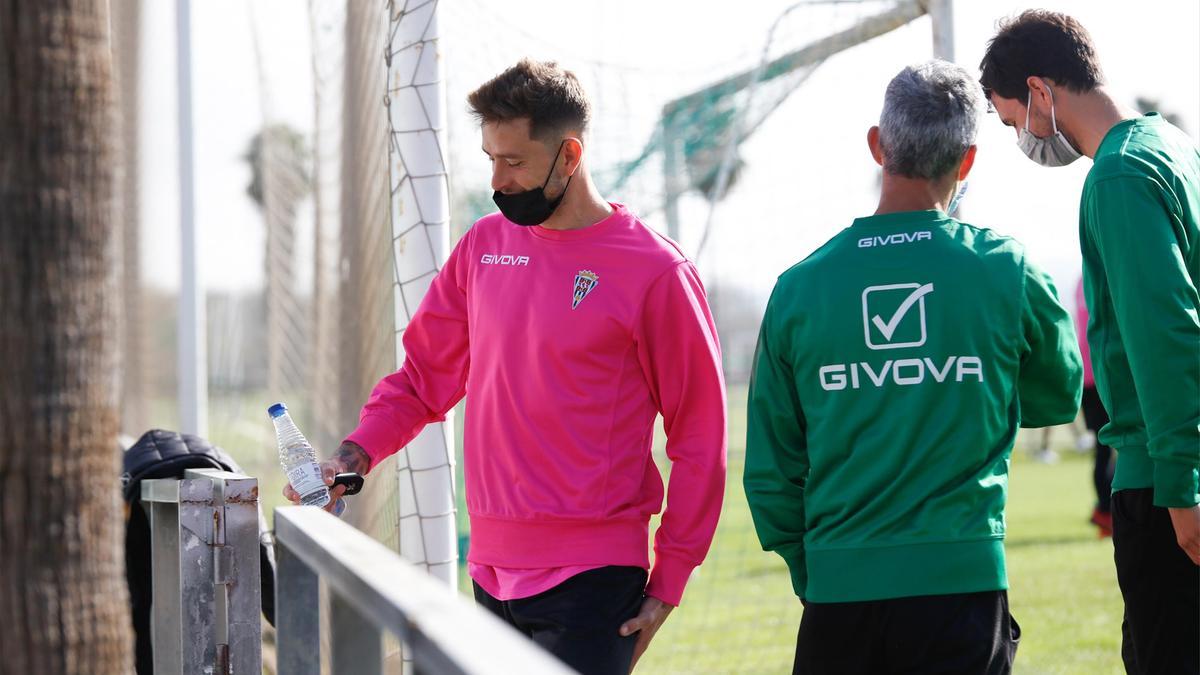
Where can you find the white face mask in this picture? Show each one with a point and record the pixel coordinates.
(957, 198)
(1051, 151)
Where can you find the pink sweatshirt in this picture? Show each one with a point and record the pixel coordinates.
(567, 345)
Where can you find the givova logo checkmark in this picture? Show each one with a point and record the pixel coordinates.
(885, 309)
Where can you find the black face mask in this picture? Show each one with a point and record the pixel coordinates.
(531, 207)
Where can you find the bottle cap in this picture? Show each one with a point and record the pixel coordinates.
(276, 410)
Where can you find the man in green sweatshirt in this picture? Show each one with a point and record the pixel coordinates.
(1139, 231)
(894, 367)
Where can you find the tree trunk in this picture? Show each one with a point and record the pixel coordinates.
(63, 600)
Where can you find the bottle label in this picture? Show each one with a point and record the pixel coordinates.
(306, 478)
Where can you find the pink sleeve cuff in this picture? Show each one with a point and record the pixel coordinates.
(374, 435)
(668, 578)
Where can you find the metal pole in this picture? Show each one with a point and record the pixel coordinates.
(206, 575)
(237, 579)
(297, 614)
(193, 362)
(356, 643)
(160, 498)
(420, 219)
(197, 592)
(181, 521)
(942, 14)
(813, 52)
(127, 50)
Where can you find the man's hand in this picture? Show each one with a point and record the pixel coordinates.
(1187, 530)
(651, 617)
(348, 458)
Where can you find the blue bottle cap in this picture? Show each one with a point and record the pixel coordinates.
(276, 410)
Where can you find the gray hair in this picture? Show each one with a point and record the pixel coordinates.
(930, 117)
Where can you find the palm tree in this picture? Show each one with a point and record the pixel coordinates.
(63, 601)
(279, 181)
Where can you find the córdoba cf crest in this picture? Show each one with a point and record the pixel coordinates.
(585, 282)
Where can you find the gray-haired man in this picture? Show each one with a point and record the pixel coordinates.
(894, 367)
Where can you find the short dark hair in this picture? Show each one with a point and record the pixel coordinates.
(1040, 43)
(549, 96)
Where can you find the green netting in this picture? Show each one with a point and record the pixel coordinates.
(700, 125)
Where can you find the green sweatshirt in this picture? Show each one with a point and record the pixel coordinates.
(893, 369)
(1141, 261)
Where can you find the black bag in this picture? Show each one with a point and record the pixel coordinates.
(165, 454)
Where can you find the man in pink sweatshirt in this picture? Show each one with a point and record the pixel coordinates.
(569, 325)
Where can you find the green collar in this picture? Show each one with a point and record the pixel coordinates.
(901, 218)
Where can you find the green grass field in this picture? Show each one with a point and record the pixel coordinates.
(739, 614)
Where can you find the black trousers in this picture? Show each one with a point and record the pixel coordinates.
(577, 620)
(960, 633)
(1161, 587)
(1095, 417)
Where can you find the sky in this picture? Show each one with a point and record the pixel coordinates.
(808, 172)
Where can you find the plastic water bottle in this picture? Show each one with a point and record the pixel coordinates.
(298, 458)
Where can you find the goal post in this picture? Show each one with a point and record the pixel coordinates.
(420, 219)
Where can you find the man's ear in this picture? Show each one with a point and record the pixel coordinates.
(873, 144)
(1040, 90)
(572, 152)
(967, 163)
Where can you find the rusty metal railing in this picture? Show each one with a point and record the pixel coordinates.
(206, 575)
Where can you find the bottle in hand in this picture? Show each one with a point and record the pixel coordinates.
(298, 458)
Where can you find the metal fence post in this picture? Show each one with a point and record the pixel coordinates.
(206, 575)
(356, 643)
(161, 497)
(297, 615)
(236, 570)
(197, 592)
